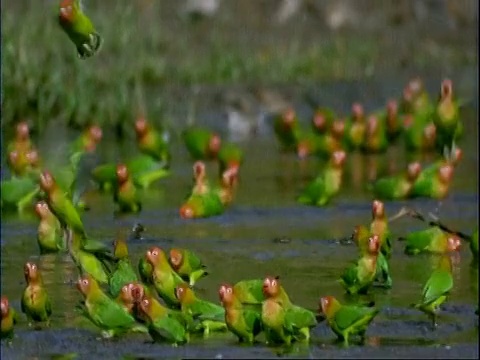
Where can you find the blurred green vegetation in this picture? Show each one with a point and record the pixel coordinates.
(148, 44)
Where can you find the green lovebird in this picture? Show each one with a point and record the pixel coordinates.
(447, 117)
(23, 163)
(419, 133)
(90, 262)
(322, 120)
(210, 316)
(22, 142)
(415, 98)
(123, 272)
(436, 289)
(249, 291)
(79, 28)
(286, 128)
(346, 320)
(163, 325)
(126, 195)
(282, 321)
(243, 322)
(358, 278)
(87, 140)
(50, 235)
(327, 184)
(379, 226)
(390, 117)
(9, 319)
(202, 144)
(164, 278)
(436, 185)
(104, 312)
(361, 236)
(229, 156)
(35, 301)
(187, 264)
(151, 142)
(355, 127)
(433, 240)
(143, 169)
(375, 138)
(202, 206)
(397, 187)
(452, 158)
(18, 193)
(60, 204)
(312, 143)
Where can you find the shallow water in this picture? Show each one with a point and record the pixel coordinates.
(243, 243)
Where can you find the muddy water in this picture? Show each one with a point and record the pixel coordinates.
(244, 243)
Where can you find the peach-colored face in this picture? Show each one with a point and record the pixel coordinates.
(137, 292)
(377, 208)
(153, 254)
(373, 244)
(447, 88)
(32, 157)
(176, 257)
(225, 292)
(457, 156)
(13, 156)
(31, 271)
(141, 126)
(339, 157)
(430, 131)
(145, 305)
(407, 95)
(270, 286)
(319, 120)
(42, 209)
(180, 292)
(46, 181)
(338, 128)
(214, 144)
(229, 176)
(372, 124)
(199, 169)
(4, 306)
(325, 303)
(83, 285)
(95, 133)
(289, 116)
(122, 173)
(186, 212)
(415, 85)
(414, 170)
(302, 150)
(446, 173)
(23, 131)
(392, 107)
(126, 293)
(357, 111)
(454, 243)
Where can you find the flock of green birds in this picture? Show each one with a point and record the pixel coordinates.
(159, 297)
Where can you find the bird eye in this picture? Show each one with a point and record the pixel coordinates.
(145, 302)
(274, 283)
(155, 253)
(85, 282)
(33, 266)
(229, 290)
